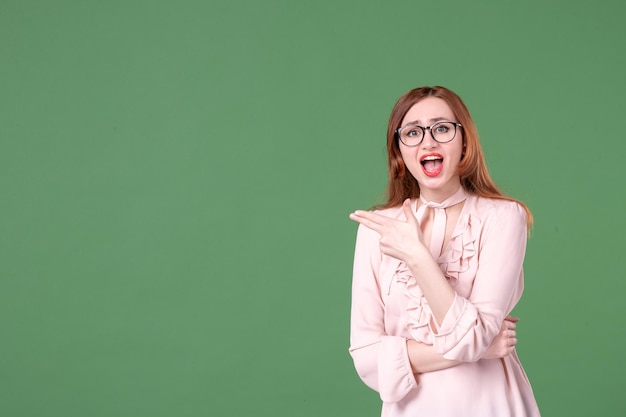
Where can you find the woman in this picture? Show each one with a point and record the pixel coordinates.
(437, 270)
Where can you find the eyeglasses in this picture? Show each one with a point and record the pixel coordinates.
(413, 134)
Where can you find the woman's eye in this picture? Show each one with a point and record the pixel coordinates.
(442, 129)
(412, 133)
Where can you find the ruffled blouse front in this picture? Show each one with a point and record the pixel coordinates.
(458, 258)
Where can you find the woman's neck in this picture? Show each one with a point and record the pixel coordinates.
(437, 196)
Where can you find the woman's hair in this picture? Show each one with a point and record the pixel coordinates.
(472, 170)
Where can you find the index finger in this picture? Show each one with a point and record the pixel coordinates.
(365, 220)
(373, 217)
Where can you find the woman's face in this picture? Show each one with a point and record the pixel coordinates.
(433, 164)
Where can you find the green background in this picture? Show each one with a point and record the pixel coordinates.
(176, 178)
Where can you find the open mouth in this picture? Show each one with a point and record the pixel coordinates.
(432, 164)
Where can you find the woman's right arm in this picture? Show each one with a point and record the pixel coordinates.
(424, 358)
(381, 360)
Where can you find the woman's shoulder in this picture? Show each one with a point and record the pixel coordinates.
(485, 207)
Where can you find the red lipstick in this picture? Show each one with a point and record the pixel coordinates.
(432, 164)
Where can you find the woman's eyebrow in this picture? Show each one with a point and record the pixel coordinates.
(432, 121)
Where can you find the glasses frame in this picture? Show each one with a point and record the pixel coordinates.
(430, 129)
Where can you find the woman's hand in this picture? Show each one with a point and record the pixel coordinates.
(400, 239)
(504, 343)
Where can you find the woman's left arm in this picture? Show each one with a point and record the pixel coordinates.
(470, 324)
(403, 240)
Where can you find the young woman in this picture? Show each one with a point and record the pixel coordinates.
(437, 270)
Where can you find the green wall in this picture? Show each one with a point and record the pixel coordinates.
(176, 178)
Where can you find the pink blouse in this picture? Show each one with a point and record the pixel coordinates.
(483, 263)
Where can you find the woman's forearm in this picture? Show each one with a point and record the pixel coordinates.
(433, 284)
(423, 358)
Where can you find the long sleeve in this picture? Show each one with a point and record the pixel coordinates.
(471, 323)
(381, 360)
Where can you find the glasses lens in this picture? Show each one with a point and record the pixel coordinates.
(444, 131)
(411, 135)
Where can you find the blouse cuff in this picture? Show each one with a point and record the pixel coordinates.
(395, 376)
(459, 320)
